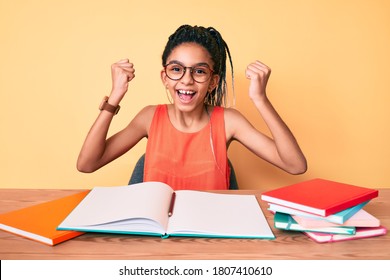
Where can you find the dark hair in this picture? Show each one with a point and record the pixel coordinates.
(212, 41)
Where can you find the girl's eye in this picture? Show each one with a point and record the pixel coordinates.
(200, 71)
(176, 68)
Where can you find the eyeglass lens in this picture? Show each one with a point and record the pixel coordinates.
(176, 71)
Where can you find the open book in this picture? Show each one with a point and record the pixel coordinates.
(143, 209)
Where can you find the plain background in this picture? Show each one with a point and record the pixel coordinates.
(330, 82)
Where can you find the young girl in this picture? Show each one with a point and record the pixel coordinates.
(188, 139)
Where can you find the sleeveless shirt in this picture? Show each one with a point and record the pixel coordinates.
(191, 161)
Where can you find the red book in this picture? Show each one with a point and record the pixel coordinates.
(319, 196)
(39, 222)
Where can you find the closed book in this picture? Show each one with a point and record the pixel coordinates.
(319, 196)
(361, 219)
(360, 233)
(39, 222)
(154, 208)
(338, 218)
(286, 222)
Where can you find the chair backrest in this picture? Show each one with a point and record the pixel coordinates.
(138, 174)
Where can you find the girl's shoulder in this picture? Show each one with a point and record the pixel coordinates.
(148, 111)
(227, 111)
(232, 114)
(145, 116)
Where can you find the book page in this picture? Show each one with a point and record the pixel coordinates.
(113, 208)
(221, 215)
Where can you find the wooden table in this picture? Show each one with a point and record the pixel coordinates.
(287, 245)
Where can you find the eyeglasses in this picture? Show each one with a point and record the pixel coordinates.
(176, 71)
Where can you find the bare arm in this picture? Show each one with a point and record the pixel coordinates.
(97, 150)
(282, 149)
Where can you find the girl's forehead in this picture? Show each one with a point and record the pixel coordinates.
(190, 53)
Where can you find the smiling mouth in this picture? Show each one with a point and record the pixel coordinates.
(186, 95)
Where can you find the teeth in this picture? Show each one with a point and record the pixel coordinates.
(186, 91)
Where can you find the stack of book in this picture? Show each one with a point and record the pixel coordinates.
(324, 210)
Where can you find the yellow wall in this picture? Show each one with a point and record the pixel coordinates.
(330, 82)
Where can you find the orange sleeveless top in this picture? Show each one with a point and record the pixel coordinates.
(191, 161)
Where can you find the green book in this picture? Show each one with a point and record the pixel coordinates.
(286, 222)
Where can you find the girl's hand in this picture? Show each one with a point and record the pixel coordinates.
(258, 74)
(122, 72)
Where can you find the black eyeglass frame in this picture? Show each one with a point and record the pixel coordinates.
(191, 71)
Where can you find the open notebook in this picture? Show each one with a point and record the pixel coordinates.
(143, 209)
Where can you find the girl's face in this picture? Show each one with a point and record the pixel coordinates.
(189, 76)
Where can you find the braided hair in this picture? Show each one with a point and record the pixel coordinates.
(212, 41)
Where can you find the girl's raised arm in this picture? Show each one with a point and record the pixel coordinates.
(97, 150)
(282, 149)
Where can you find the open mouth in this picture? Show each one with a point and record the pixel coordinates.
(186, 95)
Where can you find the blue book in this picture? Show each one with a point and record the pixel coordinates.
(286, 222)
(338, 218)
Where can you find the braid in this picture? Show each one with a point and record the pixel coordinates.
(212, 41)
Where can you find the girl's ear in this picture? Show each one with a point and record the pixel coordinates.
(163, 77)
(213, 82)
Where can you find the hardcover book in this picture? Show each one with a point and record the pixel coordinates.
(361, 219)
(153, 208)
(39, 222)
(319, 196)
(360, 233)
(338, 218)
(286, 222)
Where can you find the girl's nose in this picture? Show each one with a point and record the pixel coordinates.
(187, 77)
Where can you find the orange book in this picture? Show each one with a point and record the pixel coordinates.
(39, 222)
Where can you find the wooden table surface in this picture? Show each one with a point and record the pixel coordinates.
(287, 245)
